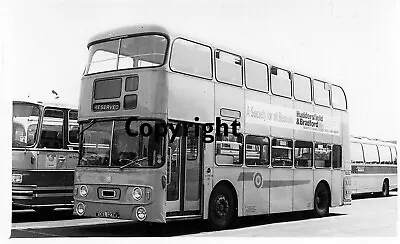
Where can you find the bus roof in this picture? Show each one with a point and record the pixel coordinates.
(47, 104)
(367, 140)
(125, 31)
(212, 42)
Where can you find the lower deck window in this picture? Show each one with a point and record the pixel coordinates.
(257, 151)
(281, 152)
(337, 157)
(303, 155)
(322, 155)
(228, 150)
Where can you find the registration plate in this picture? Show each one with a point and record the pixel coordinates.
(106, 214)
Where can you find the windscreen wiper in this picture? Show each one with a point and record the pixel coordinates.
(92, 122)
(132, 161)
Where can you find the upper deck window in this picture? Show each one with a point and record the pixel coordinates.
(228, 68)
(321, 93)
(127, 53)
(338, 98)
(256, 75)
(281, 84)
(191, 58)
(302, 88)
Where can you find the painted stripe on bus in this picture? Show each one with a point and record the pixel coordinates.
(373, 169)
(249, 176)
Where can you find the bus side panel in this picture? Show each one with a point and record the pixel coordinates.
(230, 98)
(255, 128)
(256, 190)
(303, 197)
(323, 137)
(339, 118)
(368, 183)
(346, 160)
(303, 135)
(320, 175)
(281, 132)
(281, 190)
(231, 174)
(393, 181)
(208, 172)
(337, 187)
(196, 101)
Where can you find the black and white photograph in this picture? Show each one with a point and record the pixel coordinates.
(151, 118)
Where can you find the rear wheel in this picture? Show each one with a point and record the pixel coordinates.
(385, 188)
(222, 209)
(321, 201)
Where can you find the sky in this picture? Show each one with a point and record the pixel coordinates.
(349, 43)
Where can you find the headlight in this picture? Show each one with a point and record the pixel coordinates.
(83, 190)
(16, 178)
(141, 213)
(80, 209)
(137, 193)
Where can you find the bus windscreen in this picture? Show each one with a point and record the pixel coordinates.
(127, 53)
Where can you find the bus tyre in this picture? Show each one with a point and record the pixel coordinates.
(321, 201)
(222, 209)
(385, 188)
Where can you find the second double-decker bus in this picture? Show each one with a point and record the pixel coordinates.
(373, 165)
(289, 153)
(44, 154)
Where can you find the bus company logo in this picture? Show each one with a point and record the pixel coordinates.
(258, 181)
(309, 120)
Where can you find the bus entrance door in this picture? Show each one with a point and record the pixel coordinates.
(184, 176)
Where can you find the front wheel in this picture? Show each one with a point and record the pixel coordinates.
(321, 201)
(222, 209)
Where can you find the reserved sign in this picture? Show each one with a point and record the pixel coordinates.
(109, 106)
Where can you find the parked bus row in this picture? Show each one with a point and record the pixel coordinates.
(373, 165)
(45, 154)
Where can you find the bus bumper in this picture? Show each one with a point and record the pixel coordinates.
(31, 196)
(136, 213)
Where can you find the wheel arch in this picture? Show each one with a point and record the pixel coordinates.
(230, 186)
(326, 184)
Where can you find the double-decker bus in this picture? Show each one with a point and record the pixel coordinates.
(290, 152)
(44, 155)
(373, 165)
